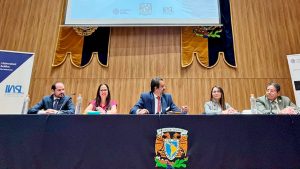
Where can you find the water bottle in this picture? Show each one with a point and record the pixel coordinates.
(25, 105)
(253, 104)
(78, 104)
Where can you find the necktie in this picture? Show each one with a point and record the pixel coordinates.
(55, 104)
(274, 107)
(158, 104)
(277, 106)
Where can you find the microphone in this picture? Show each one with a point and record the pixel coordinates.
(62, 105)
(168, 110)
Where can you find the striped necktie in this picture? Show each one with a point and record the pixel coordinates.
(55, 104)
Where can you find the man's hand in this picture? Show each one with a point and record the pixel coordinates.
(184, 109)
(51, 111)
(288, 110)
(142, 111)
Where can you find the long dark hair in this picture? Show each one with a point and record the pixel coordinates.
(98, 97)
(222, 99)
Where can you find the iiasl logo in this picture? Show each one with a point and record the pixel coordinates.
(13, 89)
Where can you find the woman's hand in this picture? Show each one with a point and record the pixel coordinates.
(101, 110)
(230, 111)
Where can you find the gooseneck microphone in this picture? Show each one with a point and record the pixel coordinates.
(62, 105)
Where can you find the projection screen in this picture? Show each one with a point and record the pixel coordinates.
(143, 12)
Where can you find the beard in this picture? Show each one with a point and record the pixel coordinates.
(61, 95)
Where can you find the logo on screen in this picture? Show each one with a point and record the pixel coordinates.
(116, 11)
(13, 89)
(171, 146)
(168, 10)
(145, 9)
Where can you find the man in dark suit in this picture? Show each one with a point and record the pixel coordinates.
(273, 103)
(57, 103)
(156, 101)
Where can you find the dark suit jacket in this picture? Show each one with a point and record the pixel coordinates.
(65, 105)
(147, 101)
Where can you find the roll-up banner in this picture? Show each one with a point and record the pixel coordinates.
(15, 74)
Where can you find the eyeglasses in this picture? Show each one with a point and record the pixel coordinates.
(103, 90)
(271, 91)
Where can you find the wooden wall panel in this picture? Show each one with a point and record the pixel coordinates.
(264, 33)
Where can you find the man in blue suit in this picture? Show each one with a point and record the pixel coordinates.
(156, 101)
(57, 103)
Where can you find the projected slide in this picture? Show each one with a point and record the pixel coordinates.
(141, 12)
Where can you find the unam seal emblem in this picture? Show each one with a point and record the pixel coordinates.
(171, 147)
